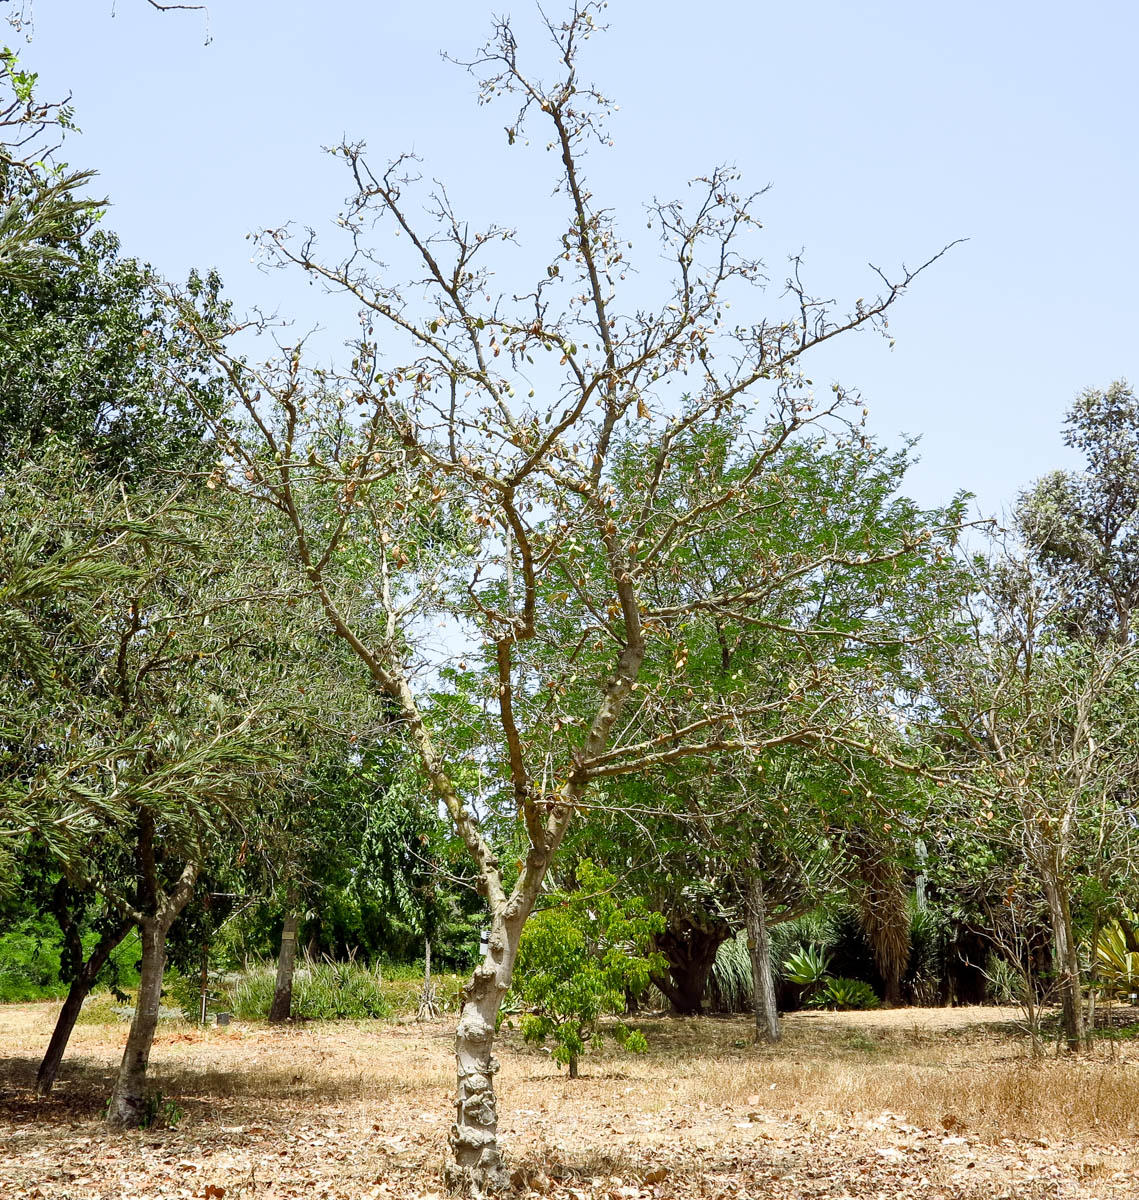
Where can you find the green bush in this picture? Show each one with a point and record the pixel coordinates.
(925, 971)
(30, 961)
(815, 928)
(578, 959)
(732, 988)
(326, 991)
(842, 993)
(1118, 967)
(1005, 983)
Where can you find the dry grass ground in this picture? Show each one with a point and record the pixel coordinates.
(905, 1105)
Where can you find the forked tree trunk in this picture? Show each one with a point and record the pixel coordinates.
(1067, 961)
(76, 994)
(477, 1166)
(759, 950)
(127, 1105)
(128, 1099)
(282, 1007)
(691, 954)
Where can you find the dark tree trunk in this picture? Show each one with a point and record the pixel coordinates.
(282, 1006)
(82, 983)
(1130, 938)
(759, 950)
(86, 972)
(690, 950)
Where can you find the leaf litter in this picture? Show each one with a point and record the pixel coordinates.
(360, 1112)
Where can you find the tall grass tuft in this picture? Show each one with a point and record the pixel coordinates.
(731, 984)
(322, 991)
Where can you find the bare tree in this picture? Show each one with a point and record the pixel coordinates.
(470, 464)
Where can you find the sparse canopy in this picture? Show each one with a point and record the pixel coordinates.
(511, 416)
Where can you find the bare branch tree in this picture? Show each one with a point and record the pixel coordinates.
(535, 472)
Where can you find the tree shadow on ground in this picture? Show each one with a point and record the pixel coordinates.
(221, 1094)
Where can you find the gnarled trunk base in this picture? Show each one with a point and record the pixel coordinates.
(691, 953)
(477, 1166)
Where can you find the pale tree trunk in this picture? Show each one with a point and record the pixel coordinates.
(282, 1007)
(128, 1099)
(1093, 979)
(204, 984)
(76, 994)
(759, 949)
(1067, 960)
(129, 1096)
(477, 1165)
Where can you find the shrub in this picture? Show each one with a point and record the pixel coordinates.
(578, 959)
(1117, 966)
(844, 994)
(1004, 981)
(30, 955)
(925, 971)
(29, 962)
(322, 991)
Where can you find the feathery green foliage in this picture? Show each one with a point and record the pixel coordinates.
(731, 975)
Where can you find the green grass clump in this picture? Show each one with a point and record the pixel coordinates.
(732, 988)
(101, 1008)
(322, 991)
(337, 991)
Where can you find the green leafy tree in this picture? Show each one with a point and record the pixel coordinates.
(1082, 527)
(63, 551)
(151, 721)
(88, 342)
(41, 214)
(817, 661)
(581, 956)
(1040, 725)
(93, 363)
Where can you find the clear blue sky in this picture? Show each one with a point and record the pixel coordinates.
(886, 130)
